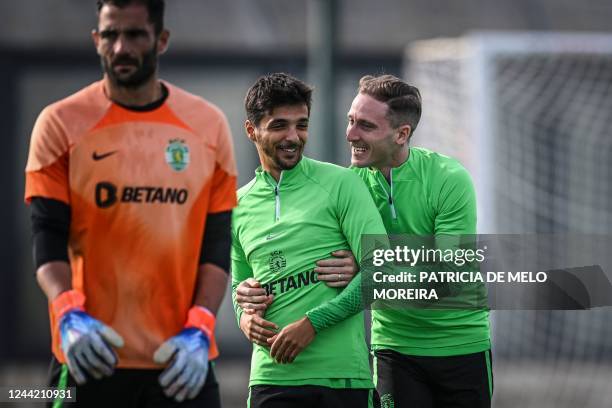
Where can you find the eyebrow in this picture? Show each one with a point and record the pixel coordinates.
(362, 121)
(278, 120)
(132, 31)
(282, 121)
(287, 120)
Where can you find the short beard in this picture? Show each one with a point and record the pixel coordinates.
(144, 72)
(284, 166)
(271, 152)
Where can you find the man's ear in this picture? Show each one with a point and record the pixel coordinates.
(95, 36)
(403, 135)
(249, 128)
(163, 40)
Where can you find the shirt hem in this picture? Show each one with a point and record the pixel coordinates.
(337, 383)
(457, 350)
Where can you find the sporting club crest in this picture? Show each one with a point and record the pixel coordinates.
(386, 401)
(277, 261)
(177, 154)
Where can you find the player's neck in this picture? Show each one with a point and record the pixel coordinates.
(275, 173)
(396, 160)
(145, 94)
(270, 169)
(267, 164)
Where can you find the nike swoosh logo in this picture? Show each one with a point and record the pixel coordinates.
(272, 236)
(97, 156)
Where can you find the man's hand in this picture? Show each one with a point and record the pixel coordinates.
(185, 376)
(337, 272)
(257, 329)
(251, 297)
(291, 340)
(85, 343)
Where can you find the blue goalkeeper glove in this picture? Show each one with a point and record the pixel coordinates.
(85, 343)
(185, 376)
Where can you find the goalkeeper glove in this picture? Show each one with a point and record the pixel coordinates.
(190, 351)
(84, 340)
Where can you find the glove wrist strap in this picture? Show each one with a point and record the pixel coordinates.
(201, 318)
(68, 301)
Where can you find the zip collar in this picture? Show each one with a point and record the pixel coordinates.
(276, 186)
(286, 179)
(289, 178)
(382, 182)
(389, 193)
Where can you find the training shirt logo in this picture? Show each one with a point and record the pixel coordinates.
(386, 401)
(277, 261)
(177, 154)
(298, 281)
(108, 194)
(272, 236)
(101, 156)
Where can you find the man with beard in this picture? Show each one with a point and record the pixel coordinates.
(131, 238)
(294, 212)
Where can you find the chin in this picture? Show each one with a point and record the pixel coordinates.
(359, 163)
(289, 164)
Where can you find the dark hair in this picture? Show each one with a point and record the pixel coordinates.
(154, 7)
(403, 100)
(274, 90)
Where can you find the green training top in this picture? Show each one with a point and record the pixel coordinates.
(429, 194)
(279, 231)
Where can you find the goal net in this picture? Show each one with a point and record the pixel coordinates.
(530, 116)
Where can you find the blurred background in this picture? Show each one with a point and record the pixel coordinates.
(520, 92)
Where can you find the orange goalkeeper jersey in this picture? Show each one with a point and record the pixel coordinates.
(140, 185)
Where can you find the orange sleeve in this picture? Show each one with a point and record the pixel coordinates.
(224, 180)
(47, 167)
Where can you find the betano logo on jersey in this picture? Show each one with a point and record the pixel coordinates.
(107, 194)
(276, 264)
(177, 154)
(297, 281)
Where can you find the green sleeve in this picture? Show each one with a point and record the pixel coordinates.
(241, 270)
(343, 306)
(357, 215)
(456, 203)
(455, 222)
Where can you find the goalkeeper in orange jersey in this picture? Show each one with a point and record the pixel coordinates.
(131, 182)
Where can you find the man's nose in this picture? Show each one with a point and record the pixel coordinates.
(351, 133)
(292, 135)
(121, 45)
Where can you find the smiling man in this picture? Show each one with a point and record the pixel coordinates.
(295, 212)
(131, 182)
(424, 358)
